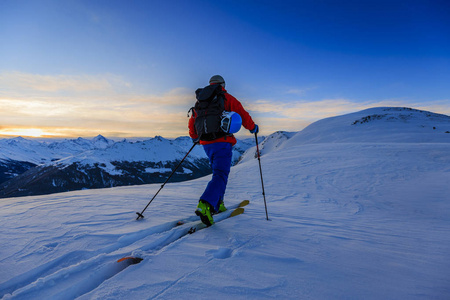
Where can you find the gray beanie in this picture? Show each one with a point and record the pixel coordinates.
(217, 79)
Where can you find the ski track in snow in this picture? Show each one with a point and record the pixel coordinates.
(82, 271)
(75, 262)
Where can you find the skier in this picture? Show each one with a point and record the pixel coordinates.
(218, 148)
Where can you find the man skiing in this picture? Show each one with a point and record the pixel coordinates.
(218, 148)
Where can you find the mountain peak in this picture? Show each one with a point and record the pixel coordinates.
(18, 138)
(159, 138)
(101, 142)
(100, 138)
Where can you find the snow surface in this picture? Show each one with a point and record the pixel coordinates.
(368, 218)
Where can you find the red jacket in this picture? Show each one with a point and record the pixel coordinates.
(231, 104)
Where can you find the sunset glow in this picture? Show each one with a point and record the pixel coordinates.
(122, 70)
(26, 132)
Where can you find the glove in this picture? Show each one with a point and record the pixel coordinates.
(255, 130)
(195, 141)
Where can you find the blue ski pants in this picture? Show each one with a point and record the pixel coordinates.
(219, 155)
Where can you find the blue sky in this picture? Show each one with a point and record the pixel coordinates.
(130, 68)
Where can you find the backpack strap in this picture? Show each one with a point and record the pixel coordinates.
(192, 109)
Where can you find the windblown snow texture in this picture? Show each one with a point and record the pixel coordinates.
(359, 209)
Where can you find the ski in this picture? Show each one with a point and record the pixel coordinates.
(233, 207)
(235, 212)
(189, 227)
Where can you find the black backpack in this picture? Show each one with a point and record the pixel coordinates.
(209, 108)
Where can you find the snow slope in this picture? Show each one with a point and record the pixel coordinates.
(381, 124)
(364, 219)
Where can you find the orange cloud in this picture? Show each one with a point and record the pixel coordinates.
(87, 105)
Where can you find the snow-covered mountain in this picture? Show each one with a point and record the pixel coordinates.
(368, 218)
(41, 152)
(381, 124)
(29, 167)
(18, 155)
(268, 144)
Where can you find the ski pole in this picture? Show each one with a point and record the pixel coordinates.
(260, 172)
(140, 215)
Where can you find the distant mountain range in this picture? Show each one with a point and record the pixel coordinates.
(31, 167)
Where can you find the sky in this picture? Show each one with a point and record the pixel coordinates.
(130, 68)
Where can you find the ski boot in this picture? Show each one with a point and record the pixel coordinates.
(204, 212)
(222, 207)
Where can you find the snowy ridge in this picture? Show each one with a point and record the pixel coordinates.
(101, 149)
(83, 164)
(268, 144)
(38, 152)
(381, 124)
(154, 150)
(353, 220)
(373, 125)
